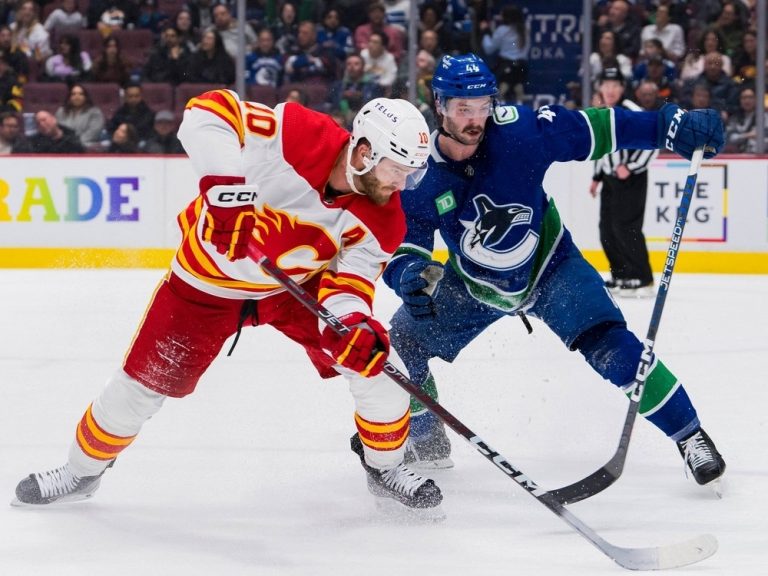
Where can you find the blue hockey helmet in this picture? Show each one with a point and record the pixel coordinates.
(464, 76)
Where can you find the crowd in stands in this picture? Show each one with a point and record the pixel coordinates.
(114, 75)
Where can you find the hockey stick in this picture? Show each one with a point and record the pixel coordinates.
(655, 558)
(610, 472)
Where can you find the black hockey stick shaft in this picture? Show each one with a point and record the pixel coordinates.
(672, 555)
(610, 472)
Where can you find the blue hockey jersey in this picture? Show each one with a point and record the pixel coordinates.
(491, 210)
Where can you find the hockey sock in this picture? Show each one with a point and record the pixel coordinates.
(422, 420)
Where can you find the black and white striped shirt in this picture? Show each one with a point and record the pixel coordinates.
(636, 161)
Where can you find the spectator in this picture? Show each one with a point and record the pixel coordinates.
(431, 18)
(189, 36)
(298, 96)
(741, 132)
(653, 50)
(509, 45)
(169, 60)
(429, 41)
(656, 72)
(701, 97)
(10, 132)
(607, 51)
(730, 25)
(110, 15)
(286, 29)
(379, 63)
(264, 65)
(693, 64)
(745, 60)
(309, 62)
(70, 62)
(16, 58)
(647, 96)
(354, 89)
(124, 140)
(79, 114)
(619, 22)
(721, 87)
(226, 26)
(51, 138)
(66, 19)
(334, 37)
(425, 71)
(163, 139)
(11, 90)
(670, 35)
(28, 34)
(200, 11)
(134, 111)
(110, 65)
(150, 17)
(211, 64)
(397, 12)
(377, 24)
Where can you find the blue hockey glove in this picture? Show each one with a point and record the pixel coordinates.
(418, 286)
(682, 131)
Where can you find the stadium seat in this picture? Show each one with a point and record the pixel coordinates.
(158, 95)
(187, 90)
(104, 95)
(44, 96)
(317, 93)
(266, 95)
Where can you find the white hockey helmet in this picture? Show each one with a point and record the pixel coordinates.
(395, 129)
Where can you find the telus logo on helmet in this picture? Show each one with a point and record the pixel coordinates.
(383, 109)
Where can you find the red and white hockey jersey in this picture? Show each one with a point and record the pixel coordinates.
(288, 153)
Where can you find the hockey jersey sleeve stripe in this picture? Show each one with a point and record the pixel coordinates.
(383, 435)
(602, 125)
(332, 284)
(225, 106)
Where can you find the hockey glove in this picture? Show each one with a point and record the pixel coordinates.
(418, 286)
(230, 217)
(682, 131)
(363, 349)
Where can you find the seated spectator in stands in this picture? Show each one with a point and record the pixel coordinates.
(201, 13)
(670, 35)
(693, 64)
(211, 64)
(656, 72)
(607, 51)
(377, 23)
(721, 87)
(16, 58)
(731, 24)
(333, 36)
(431, 19)
(134, 111)
(264, 65)
(70, 63)
(429, 41)
(110, 15)
(169, 60)
(745, 60)
(66, 19)
(310, 62)
(124, 140)
(380, 64)
(151, 17)
(298, 96)
(647, 96)
(619, 20)
(286, 29)
(110, 65)
(11, 89)
(509, 45)
(226, 26)
(354, 89)
(28, 34)
(425, 71)
(653, 50)
(189, 37)
(163, 139)
(11, 133)
(741, 129)
(51, 138)
(79, 114)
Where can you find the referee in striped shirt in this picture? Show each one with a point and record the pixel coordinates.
(624, 178)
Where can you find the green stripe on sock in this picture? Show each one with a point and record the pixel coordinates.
(430, 387)
(600, 121)
(658, 384)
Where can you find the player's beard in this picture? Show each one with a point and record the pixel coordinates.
(469, 135)
(372, 188)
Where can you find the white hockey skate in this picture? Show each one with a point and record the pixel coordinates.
(55, 486)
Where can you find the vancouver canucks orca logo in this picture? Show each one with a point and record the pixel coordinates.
(483, 239)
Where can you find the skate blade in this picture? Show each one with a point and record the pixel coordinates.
(717, 487)
(426, 465)
(16, 503)
(393, 510)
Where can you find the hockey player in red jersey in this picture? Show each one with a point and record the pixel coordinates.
(324, 206)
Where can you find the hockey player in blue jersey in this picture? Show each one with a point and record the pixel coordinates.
(509, 253)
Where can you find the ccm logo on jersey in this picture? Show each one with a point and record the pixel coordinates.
(674, 125)
(229, 196)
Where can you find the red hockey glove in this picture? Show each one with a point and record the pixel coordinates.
(231, 218)
(363, 349)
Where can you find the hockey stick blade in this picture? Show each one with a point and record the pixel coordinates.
(610, 472)
(668, 556)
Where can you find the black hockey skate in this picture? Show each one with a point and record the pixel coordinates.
(399, 483)
(430, 453)
(59, 485)
(701, 457)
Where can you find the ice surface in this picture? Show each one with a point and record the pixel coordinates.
(252, 474)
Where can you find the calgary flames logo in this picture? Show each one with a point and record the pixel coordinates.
(297, 247)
